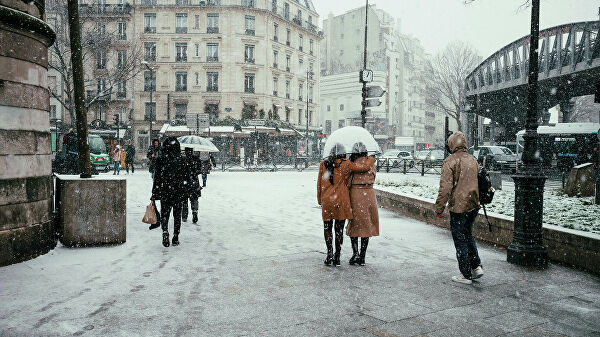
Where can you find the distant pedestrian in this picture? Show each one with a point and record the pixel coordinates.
(459, 188)
(194, 166)
(332, 195)
(152, 155)
(116, 156)
(171, 181)
(365, 221)
(208, 161)
(130, 155)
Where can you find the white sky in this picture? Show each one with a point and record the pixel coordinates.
(487, 24)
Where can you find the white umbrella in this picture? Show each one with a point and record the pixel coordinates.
(347, 137)
(197, 143)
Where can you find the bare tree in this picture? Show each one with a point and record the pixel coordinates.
(445, 77)
(94, 41)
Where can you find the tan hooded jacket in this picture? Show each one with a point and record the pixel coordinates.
(458, 183)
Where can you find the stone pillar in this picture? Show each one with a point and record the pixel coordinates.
(26, 228)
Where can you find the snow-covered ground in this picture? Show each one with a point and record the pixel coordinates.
(561, 210)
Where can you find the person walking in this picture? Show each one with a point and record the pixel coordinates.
(152, 155)
(459, 188)
(208, 161)
(332, 195)
(194, 166)
(130, 154)
(171, 181)
(365, 217)
(116, 156)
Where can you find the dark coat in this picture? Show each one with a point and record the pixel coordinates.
(208, 161)
(152, 150)
(130, 150)
(172, 177)
(194, 166)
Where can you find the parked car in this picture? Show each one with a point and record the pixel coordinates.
(497, 158)
(65, 161)
(395, 158)
(431, 157)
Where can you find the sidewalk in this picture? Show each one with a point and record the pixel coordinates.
(253, 266)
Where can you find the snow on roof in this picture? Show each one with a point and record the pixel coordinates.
(170, 128)
(566, 128)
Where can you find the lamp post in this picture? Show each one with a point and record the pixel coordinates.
(527, 247)
(56, 121)
(308, 74)
(151, 106)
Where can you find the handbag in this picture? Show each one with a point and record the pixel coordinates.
(150, 215)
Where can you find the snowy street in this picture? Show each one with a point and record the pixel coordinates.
(253, 266)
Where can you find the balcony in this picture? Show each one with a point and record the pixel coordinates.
(310, 52)
(209, 2)
(250, 32)
(181, 30)
(300, 48)
(93, 10)
(297, 21)
(250, 61)
(182, 58)
(275, 38)
(212, 59)
(300, 98)
(287, 95)
(275, 65)
(213, 88)
(121, 94)
(287, 43)
(149, 2)
(180, 87)
(310, 100)
(149, 29)
(287, 69)
(249, 90)
(212, 30)
(275, 93)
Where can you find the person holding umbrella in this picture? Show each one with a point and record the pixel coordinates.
(365, 221)
(333, 196)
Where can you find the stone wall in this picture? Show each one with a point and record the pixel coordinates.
(576, 248)
(26, 228)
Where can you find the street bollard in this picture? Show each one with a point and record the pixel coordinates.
(422, 168)
(387, 165)
(404, 171)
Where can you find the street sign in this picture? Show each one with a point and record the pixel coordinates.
(375, 91)
(256, 122)
(372, 92)
(365, 75)
(197, 122)
(371, 103)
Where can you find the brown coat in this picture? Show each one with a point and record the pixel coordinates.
(334, 198)
(364, 204)
(458, 183)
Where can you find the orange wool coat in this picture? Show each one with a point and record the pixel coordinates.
(334, 198)
(365, 222)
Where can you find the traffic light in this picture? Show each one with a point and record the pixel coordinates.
(372, 92)
(116, 119)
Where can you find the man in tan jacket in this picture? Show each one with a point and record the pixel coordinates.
(459, 188)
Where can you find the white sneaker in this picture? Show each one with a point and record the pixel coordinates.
(477, 273)
(461, 279)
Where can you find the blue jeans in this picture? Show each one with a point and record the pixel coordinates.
(117, 168)
(461, 225)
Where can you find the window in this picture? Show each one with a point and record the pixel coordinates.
(150, 23)
(328, 127)
(212, 23)
(274, 6)
(150, 111)
(180, 81)
(122, 30)
(249, 24)
(329, 108)
(149, 51)
(197, 79)
(301, 65)
(212, 81)
(180, 52)
(53, 111)
(149, 81)
(181, 23)
(122, 88)
(275, 32)
(148, 2)
(197, 50)
(100, 114)
(121, 59)
(52, 84)
(341, 123)
(101, 6)
(248, 3)
(299, 116)
(310, 93)
(122, 114)
(182, 2)
(212, 52)
(213, 111)
(300, 87)
(341, 107)
(299, 16)
(287, 89)
(249, 83)
(101, 86)
(310, 121)
(275, 82)
(275, 58)
(288, 33)
(287, 114)
(286, 10)
(287, 62)
(143, 139)
(249, 53)
(101, 59)
(101, 28)
(310, 46)
(197, 21)
(180, 111)
(300, 42)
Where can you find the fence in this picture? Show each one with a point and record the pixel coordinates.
(409, 165)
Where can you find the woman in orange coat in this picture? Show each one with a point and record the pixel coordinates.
(332, 195)
(365, 221)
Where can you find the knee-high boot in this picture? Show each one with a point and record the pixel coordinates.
(339, 239)
(327, 232)
(364, 242)
(355, 256)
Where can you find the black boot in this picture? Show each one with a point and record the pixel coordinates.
(175, 239)
(329, 257)
(195, 217)
(166, 239)
(336, 259)
(355, 256)
(364, 242)
(154, 225)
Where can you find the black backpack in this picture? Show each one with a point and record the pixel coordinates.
(486, 191)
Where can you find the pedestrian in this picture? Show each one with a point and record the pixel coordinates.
(130, 150)
(459, 188)
(365, 220)
(208, 161)
(116, 156)
(332, 195)
(152, 155)
(171, 181)
(194, 166)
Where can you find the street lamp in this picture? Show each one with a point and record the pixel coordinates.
(56, 121)
(151, 106)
